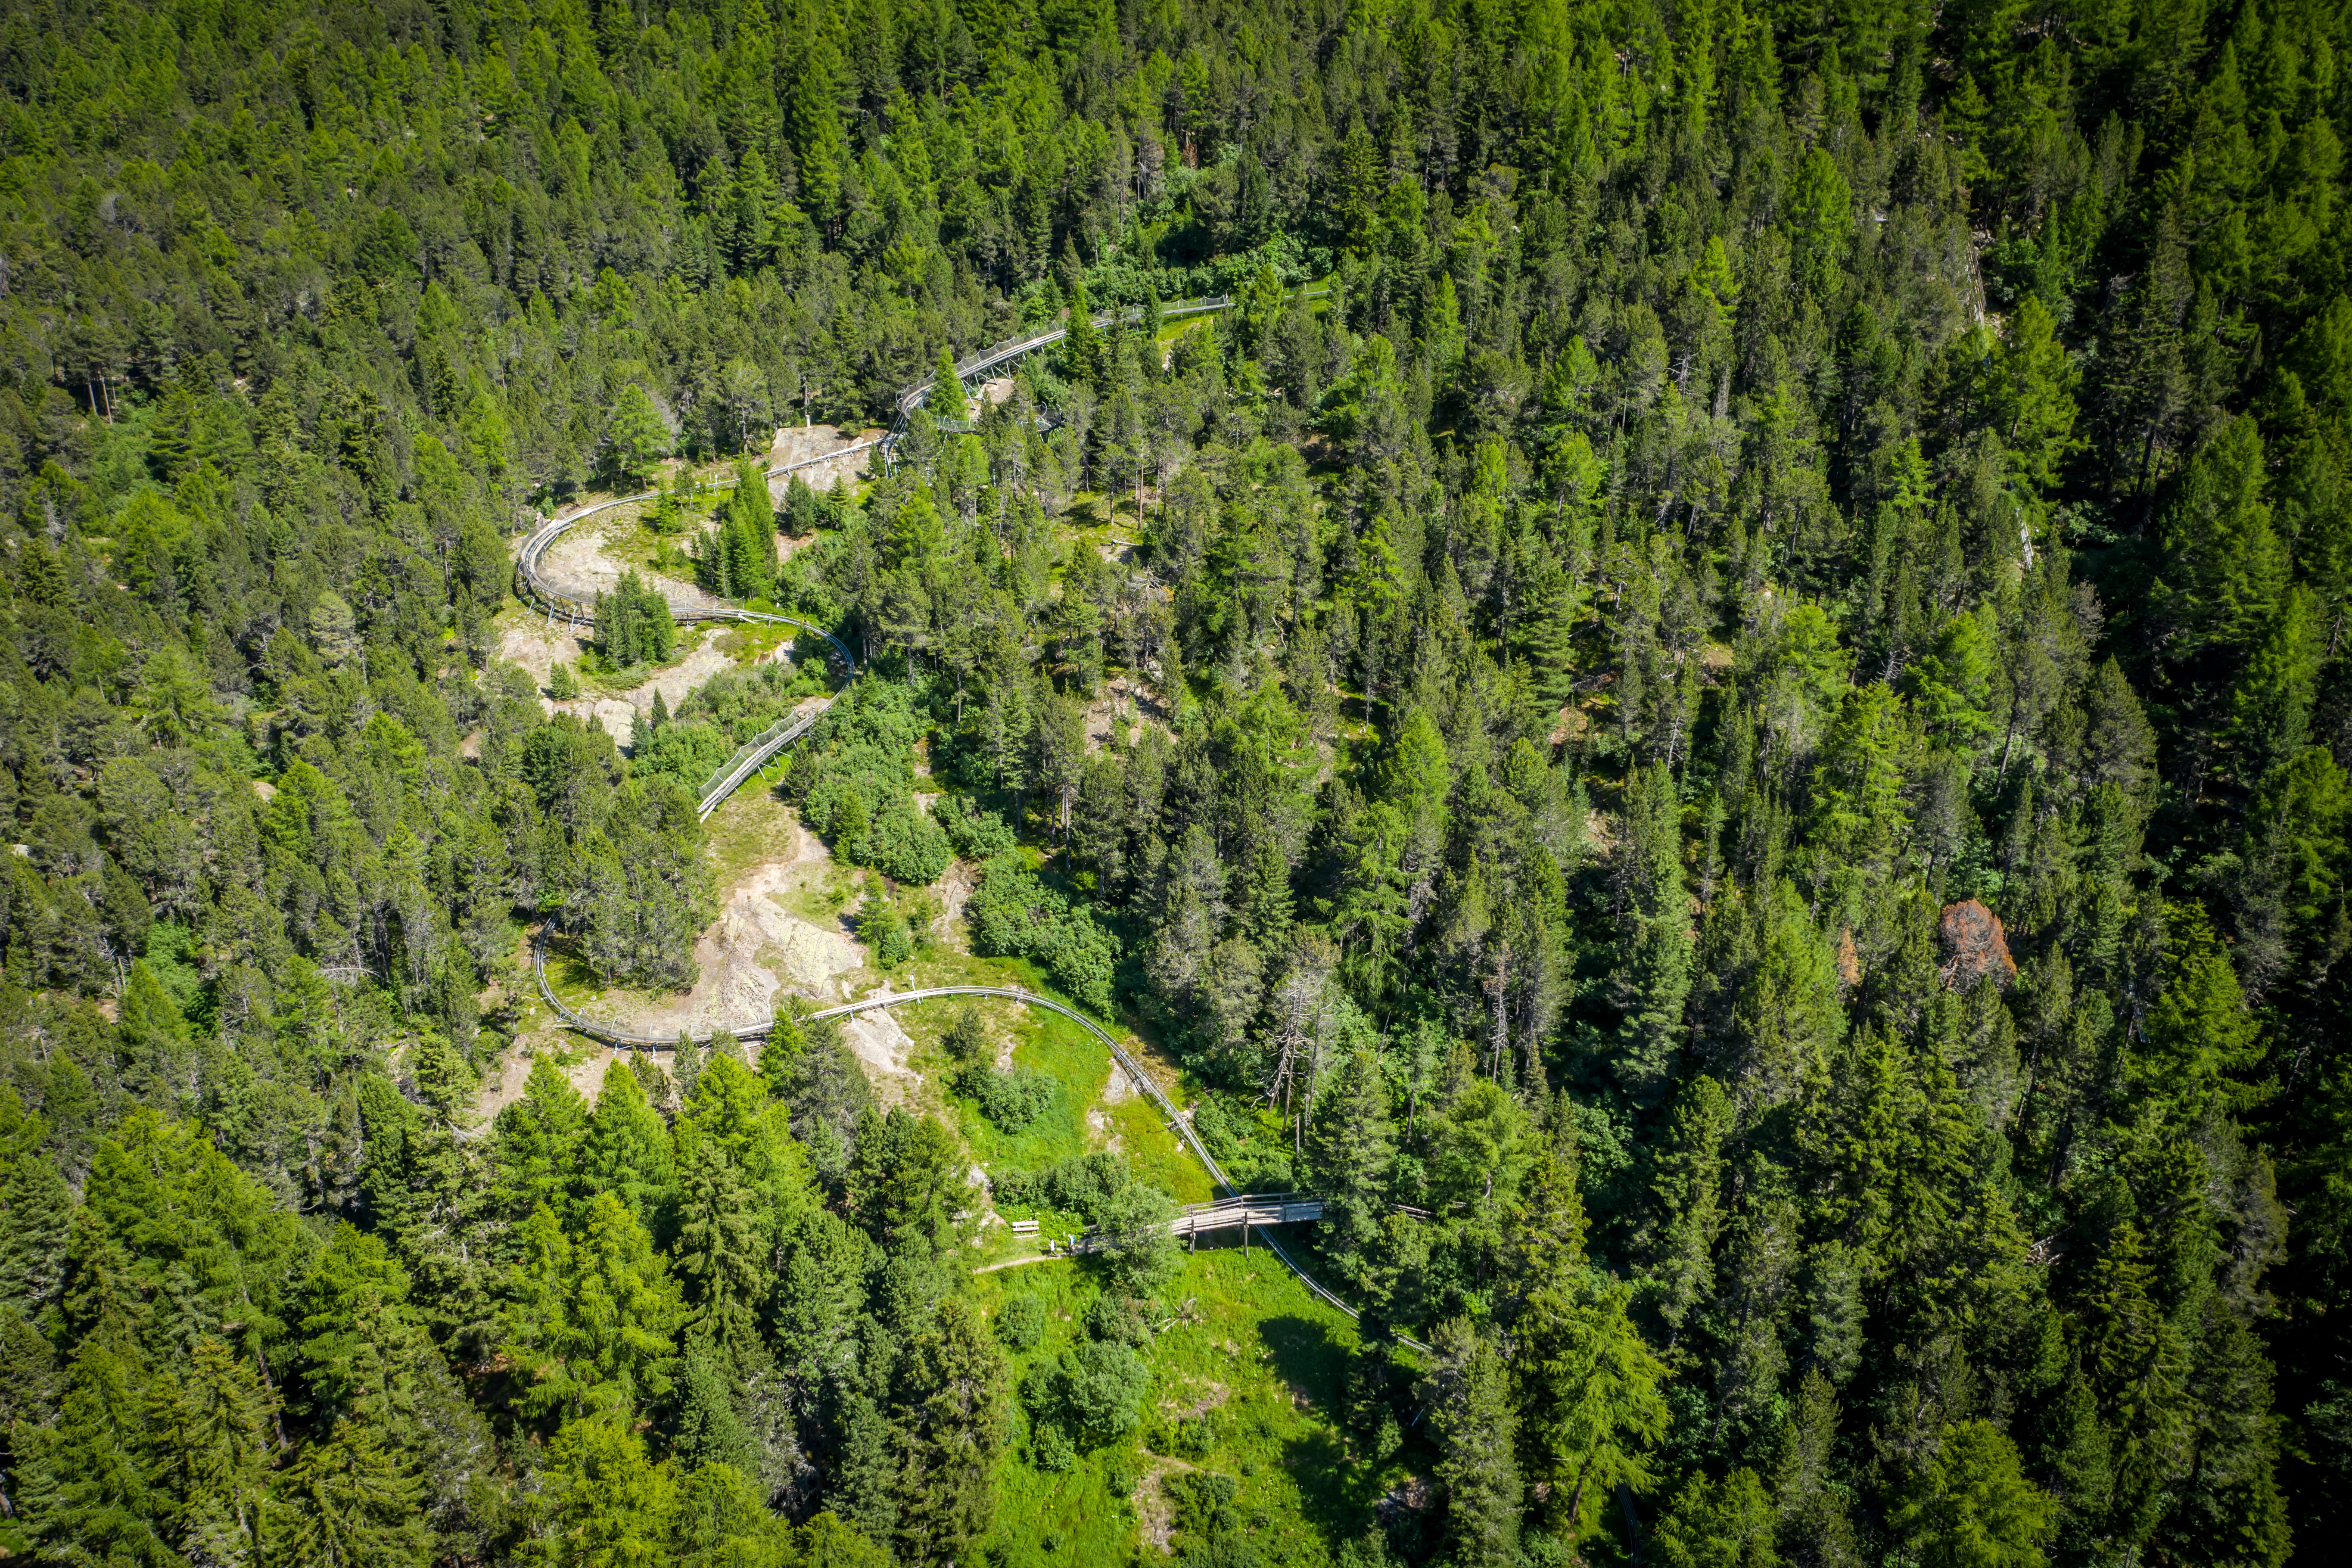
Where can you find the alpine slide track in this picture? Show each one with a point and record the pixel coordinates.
(1236, 1209)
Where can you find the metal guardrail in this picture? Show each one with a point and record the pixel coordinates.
(756, 753)
(533, 551)
(1013, 348)
(1200, 1219)
(1251, 1209)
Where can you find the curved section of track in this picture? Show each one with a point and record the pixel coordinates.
(1178, 1123)
(534, 585)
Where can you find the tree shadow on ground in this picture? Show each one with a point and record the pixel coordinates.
(1338, 1488)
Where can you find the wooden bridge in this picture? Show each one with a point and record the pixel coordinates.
(1243, 1212)
(1247, 1209)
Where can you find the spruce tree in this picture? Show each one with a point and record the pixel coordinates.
(1082, 347)
(1353, 1147)
(347, 1499)
(947, 400)
(540, 1140)
(1468, 1394)
(1686, 1211)
(593, 1321)
(636, 436)
(950, 1416)
(624, 1150)
(1651, 978)
(1975, 1506)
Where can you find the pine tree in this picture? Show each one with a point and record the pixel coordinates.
(708, 1429)
(2224, 566)
(2030, 395)
(83, 1485)
(155, 1041)
(210, 1427)
(359, 1333)
(746, 535)
(865, 1479)
(1820, 222)
(35, 1208)
(1548, 609)
(1651, 978)
(1548, 1227)
(720, 1521)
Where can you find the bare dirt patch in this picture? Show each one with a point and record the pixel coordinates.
(1415, 1494)
(883, 1046)
(615, 711)
(954, 888)
(1099, 1124)
(1155, 1517)
(585, 1074)
(757, 950)
(581, 564)
(797, 443)
(539, 644)
(1199, 1397)
(1119, 1086)
(1124, 701)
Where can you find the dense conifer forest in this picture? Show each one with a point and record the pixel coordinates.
(1716, 706)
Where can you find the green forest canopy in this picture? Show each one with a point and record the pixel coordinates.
(1750, 714)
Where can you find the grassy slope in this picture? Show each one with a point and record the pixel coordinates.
(1267, 1362)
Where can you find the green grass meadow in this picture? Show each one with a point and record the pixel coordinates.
(1263, 1360)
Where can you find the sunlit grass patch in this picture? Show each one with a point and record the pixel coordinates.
(1157, 1155)
(750, 827)
(1075, 1062)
